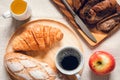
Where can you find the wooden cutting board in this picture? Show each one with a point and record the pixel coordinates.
(70, 39)
(100, 36)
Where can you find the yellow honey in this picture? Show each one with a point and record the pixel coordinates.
(18, 6)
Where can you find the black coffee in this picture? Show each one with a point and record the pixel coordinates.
(69, 62)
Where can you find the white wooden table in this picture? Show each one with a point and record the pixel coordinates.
(44, 9)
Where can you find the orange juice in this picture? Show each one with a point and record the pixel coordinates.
(18, 6)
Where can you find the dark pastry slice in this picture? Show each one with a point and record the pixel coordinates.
(77, 4)
(109, 23)
(95, 10)
(84, 13)
(118, 8)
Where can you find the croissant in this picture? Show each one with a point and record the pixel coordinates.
(38, 37)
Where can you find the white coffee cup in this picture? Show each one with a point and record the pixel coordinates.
(69, 61)
(22, 16)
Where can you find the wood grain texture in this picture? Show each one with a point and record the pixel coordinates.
(70, 39)
(100, 36)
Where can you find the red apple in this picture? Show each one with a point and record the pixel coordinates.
(101, 62)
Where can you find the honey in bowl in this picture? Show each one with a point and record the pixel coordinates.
(18, 6)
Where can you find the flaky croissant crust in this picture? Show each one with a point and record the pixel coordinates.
(38, 37)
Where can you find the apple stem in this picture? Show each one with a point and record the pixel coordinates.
(99, 63)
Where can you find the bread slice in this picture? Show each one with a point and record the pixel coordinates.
(23, 67)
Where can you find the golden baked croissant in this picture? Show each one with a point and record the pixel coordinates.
(38, 37)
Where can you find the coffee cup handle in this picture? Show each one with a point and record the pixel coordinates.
(78, 76)
(7, 14)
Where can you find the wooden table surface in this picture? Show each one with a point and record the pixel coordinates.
(45, 9)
